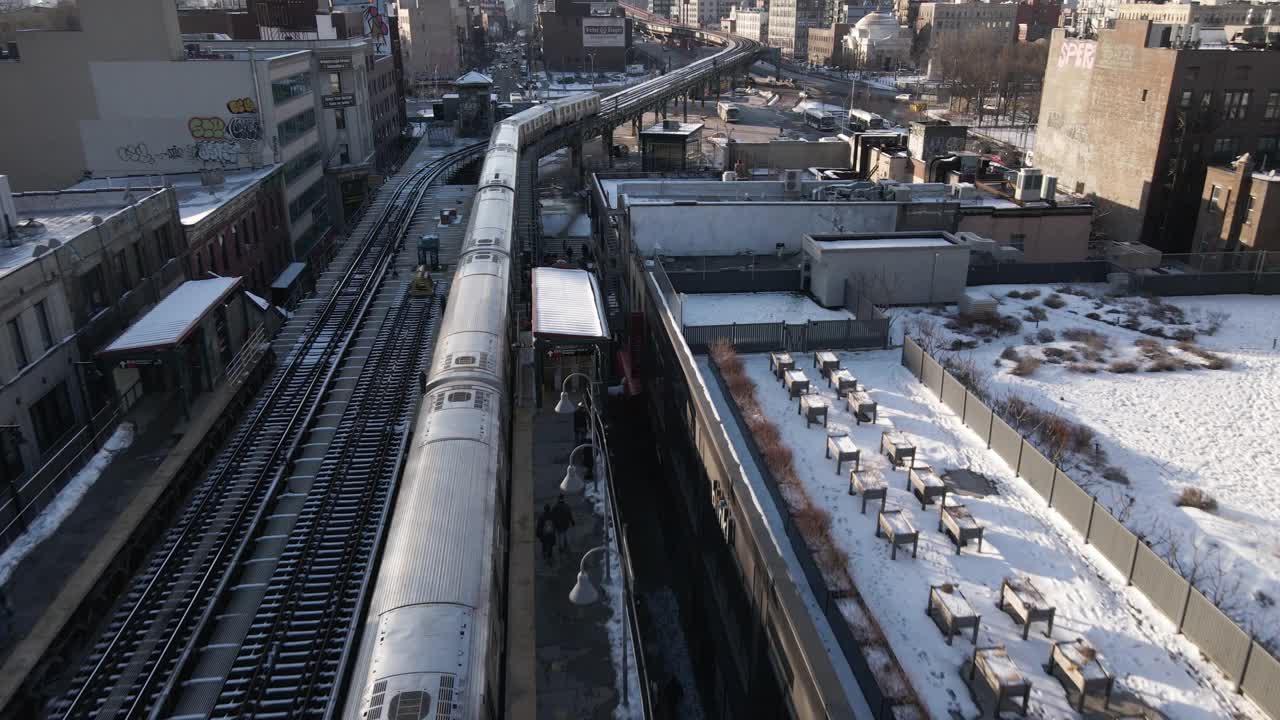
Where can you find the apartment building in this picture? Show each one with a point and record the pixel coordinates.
(938, 24)
(1239, 208)
(430, 49)
(789, 23)
(826, 44)
(76, 268)
(752, 23)
(1137, 116)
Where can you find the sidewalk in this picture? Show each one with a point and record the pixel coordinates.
(575, 675)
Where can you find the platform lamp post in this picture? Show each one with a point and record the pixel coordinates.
(567, 406)
(584, 593)
(573, 475)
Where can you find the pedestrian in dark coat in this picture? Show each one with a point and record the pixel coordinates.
(545, 530)
(563, 519)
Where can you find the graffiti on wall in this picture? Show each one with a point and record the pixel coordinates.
(222, 153)
(1077, 53)
(207, 128)
(136, 153)
(218, 152)
(241, 106)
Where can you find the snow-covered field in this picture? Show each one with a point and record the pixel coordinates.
(726, 308)
(1023, 537)
(1214, 430)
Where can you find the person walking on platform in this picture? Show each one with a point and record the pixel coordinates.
(546, 532)
(563, 518)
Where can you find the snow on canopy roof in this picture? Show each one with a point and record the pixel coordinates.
(567, 305)
(474, 78)
(287, 277)
(173, 318)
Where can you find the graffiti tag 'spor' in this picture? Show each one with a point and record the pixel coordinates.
(1077, 52)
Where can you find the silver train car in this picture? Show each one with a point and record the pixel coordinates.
(431, 642)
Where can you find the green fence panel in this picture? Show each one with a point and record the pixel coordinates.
(1161, 584)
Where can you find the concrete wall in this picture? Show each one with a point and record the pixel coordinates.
(731, 228)
(1046, 237)
(182, 123)
(789, 155)
(49, 90)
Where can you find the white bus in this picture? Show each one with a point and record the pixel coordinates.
(820, 119)
(864, 121)
(729, 112)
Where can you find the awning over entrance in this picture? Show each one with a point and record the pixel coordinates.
(568, 306)
(173, 318)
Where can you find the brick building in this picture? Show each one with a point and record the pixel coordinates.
(1136, 122)
(1036, 19)
(1239, 209)
(939, 23)
(826, 44)
(789, 23)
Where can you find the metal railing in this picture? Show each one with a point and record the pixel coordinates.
(27, 499)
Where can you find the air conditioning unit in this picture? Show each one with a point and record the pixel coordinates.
(902, 193)
(1027, 184)
(963, 191)
(729, 176)
(791, 182)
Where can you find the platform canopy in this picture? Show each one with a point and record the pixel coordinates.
(568, 306)
(175, 317)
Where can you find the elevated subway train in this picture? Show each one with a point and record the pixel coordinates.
(433, 636)
(431, 644)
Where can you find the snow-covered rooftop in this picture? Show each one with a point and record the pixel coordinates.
(763, 307)
(195, 199)
(882, 243)
(174, 317)
(62, 216)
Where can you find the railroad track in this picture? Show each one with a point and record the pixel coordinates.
(250, 597)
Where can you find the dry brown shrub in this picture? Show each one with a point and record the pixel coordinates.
(1026, 366)
(1083, 368)
(1196, 498)
(1121, 367)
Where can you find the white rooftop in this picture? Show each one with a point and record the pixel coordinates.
(174, 317)
(567, 305)
(44, 217)
(195, 200)
(881, 243)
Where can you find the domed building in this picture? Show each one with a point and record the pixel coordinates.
(878, 42)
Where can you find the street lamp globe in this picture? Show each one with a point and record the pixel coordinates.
(572, 482)
(584, 591)
(566, 406)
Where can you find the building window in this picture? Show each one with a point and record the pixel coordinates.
(305, 200)
(1184, 100)
(305, 160)
(340, 119)
(1206, 100)
(1224, 147)
(93, 287)
(1236, 104)
(291, 87)
(1267, 149)
(20, 356)
(46, 330)
(52, 417)
(1248, 211)
(1272, 110)
(139, 260)
(122, 272)
(335, 83)
(1215, 195)
(295, 127)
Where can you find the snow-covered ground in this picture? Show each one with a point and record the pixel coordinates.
(49, 519)
(1209, 429)
(1023, 537)
(765, 307)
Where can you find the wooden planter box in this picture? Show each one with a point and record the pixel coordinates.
(951, 612)
(796, 382)
(842, 448)
(897, 448)
(814, 408)
(1023, 601)
(826, 362)
(843, 381)
(870, 487)
(1079, 666)
(898, 530)
(779, 363)
(926, 485)
(960, 525)
(997, 673)
(862, 407)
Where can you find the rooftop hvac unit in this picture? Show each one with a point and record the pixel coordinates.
(976, 243)
(964, 191)
(791, 182)
(670, 124)
(975, 302)
(729, 176)
(1049, 187)
(1027, 185)
(1008, 253)
(902, 193)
